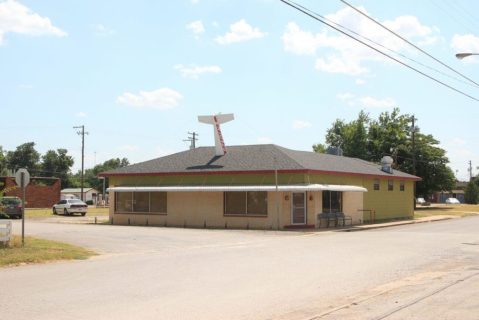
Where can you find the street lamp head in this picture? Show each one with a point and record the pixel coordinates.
(464, 55)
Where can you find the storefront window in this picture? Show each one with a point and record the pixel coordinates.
(332, 201)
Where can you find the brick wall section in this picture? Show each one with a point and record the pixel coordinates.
(37, 196)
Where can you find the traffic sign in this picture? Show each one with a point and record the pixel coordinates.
(18, 177)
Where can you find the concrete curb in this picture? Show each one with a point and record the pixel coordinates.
(391, 224)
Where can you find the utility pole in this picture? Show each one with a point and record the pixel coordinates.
(82, 133)
(192, 138)
(470, 170)
(414, 129)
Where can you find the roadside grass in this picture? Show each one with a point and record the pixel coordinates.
(459, 210)
(47, 212)
(40, 250)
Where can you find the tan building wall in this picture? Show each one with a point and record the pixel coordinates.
(205, 209)
(202, 209)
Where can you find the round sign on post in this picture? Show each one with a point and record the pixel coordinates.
(18, 177)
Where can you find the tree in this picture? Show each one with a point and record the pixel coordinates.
(57, 164)
(350, 137)
(471, 194)
(390, 134)
(3, 162)
(91, 175)
(319, 148)
(25, 156)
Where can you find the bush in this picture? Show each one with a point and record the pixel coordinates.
(471, 194)
(89, 202)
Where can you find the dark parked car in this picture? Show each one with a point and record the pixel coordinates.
(12, 207)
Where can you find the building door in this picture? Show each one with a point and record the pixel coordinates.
(298, 208)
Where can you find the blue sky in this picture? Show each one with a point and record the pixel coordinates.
(138, 73)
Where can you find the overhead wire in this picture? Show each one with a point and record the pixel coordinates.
(293, 5)
(383, 46)
(407, 41)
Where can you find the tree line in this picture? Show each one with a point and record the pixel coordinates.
(391, 134)
(55, 163)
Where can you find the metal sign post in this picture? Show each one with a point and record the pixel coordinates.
(22, 178)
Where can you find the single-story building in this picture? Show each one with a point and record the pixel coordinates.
(41, 192)
(257, 187)
(89, 194)
(458, 192)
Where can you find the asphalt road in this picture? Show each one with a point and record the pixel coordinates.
(421, 271)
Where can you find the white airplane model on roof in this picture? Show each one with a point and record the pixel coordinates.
(216, 120)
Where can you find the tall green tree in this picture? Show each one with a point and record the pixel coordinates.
(390, 134)
(91, 175)
(3, 162)
(24, 156)
(57, 164)
(471, 194)
(351, 137)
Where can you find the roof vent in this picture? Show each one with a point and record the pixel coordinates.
(386, 164)
(337, 151)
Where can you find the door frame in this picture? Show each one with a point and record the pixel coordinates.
(304, 207)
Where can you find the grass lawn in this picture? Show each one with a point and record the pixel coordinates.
(39, 250)
(460, 210)
(42, 213)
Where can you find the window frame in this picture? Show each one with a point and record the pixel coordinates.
(390, 185)
(245, 214)
(402, 185)
(330, 209)
(132, 201)
(376, 186)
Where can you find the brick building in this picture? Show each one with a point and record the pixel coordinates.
(40, 193)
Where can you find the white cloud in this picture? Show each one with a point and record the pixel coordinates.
(194, 1)
(81, 114)
(264, 140)
(366, 101)
(240, 31)
(467, 43)
(298, 41)
(164, 98)
(196, 27)
(25, 86)
(17, 18)
(360, 81)
(102, 31)
(458, 142)
(194, 72)
(300, 124)
(340, 54)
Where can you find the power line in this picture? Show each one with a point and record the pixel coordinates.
(293, 5)
(382, 46)
(407, 41)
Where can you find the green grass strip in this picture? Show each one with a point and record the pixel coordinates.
(39, 251)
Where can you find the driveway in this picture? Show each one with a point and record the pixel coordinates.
(169, 273)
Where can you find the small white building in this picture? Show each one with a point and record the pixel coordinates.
(89, 194)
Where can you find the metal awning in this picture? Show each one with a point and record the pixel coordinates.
(299, 188)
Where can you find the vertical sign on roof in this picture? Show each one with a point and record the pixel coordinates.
(216, 120)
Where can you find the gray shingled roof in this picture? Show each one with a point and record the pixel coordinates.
(253, 158)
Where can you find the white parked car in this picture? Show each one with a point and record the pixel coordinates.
(452, 201)
(70, 206)
(420, 201)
